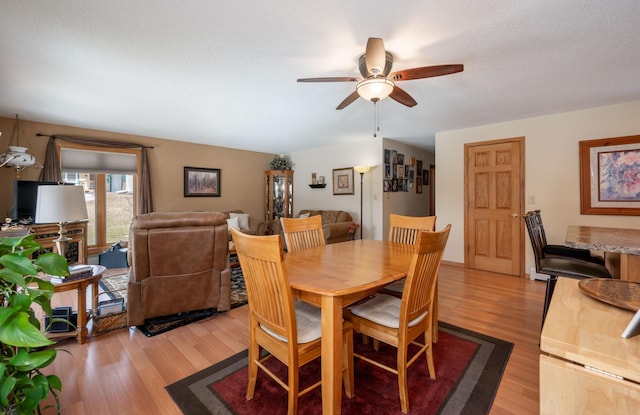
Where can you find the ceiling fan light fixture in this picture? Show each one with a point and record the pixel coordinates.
(375, 89)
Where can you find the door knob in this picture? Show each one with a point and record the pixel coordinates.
(514, 215)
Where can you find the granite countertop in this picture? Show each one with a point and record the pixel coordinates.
(623, 241)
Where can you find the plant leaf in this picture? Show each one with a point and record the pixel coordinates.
(25, 361)
(18, 263)
(6, 386)
(17, 331)
(54, 382)
(53, 264)
(13, 277)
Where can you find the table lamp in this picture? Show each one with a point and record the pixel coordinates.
(60, 204)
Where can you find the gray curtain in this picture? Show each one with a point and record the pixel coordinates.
(52, 170)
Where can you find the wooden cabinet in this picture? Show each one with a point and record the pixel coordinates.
(278, 198)
(77, 231)
(586, 366)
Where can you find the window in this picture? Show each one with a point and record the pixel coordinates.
(109, 179)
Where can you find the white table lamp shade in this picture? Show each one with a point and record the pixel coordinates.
(60, 204)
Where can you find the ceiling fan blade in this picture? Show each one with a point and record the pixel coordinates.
(331, 79)
(402, 97)
(348, 100)
(375, 56)
(426, 72)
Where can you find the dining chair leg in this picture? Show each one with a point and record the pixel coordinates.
(403, 388)
(254, 354)
(347, 364)
(294, 389)
(429, 353)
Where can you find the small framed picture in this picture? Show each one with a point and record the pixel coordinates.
(387, 171)
(343, 181)
(201, 182)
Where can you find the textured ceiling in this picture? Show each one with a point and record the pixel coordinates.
(224, 73)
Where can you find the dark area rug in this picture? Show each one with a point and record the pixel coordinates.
(469, 367)
(116, 287)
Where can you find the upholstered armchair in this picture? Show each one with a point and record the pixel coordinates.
(179, 263)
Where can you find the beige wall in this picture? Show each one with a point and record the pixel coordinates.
(552, 181)
(322, 161)
(376, 205)
(242, 172)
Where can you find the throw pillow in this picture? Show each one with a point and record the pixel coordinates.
(305, 215)
(233, 223)
(243, 220)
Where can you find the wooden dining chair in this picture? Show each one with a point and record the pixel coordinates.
(302, 233)
(400, 321)
(289, 331)
(405, 229)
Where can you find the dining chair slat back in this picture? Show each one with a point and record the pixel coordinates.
(303, 233)
(404, 229)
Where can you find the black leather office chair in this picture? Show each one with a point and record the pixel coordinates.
(563, 250)
(557, 265)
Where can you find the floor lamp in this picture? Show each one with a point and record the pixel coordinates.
(362, 170)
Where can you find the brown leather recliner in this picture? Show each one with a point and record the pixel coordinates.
(179, 263)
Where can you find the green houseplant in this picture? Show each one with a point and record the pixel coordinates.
(24, 347)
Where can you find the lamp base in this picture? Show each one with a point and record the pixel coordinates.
(62, 241)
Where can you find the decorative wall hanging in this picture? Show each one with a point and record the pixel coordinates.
(343, 181)
(609, 176)
(200, 182)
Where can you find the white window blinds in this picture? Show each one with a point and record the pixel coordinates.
(89, 161)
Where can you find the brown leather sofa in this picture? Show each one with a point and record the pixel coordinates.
(335, 224)
(179, 263)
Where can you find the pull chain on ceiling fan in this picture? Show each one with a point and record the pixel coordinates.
(378, 82)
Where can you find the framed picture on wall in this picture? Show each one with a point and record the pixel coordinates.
(609, 178)
(387, 171)
(343, 181)
(201, 182)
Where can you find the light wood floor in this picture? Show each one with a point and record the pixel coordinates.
(124, 372)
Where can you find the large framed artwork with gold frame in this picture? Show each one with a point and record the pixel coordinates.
(610, 176)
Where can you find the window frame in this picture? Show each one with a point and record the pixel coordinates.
(100, 190)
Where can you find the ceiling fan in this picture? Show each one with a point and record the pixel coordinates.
(379, 82)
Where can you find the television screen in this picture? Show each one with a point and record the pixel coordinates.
(25, 195)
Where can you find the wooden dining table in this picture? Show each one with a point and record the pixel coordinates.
(337, 275)
(621, 247)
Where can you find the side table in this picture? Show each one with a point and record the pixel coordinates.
(80, 285)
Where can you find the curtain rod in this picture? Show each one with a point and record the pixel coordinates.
(89, 139)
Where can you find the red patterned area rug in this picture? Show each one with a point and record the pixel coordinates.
(469, 367)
